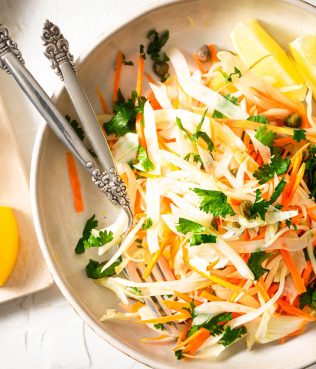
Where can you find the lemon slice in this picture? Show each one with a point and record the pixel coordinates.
(267, 59)
(303, 50)
(9, 243)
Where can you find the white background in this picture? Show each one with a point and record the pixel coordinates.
(42, 331)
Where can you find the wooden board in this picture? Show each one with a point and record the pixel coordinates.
(30, 273)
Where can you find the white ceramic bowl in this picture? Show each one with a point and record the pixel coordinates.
(191, 24)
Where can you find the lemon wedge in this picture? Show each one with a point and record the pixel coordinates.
(266, 58)
(303, 50)
(9, 243)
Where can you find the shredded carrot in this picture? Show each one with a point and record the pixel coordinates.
(307, 272)
(293, 185)
(165, 319)
(75, 183)
(154, 259)
(174, 248)
(140, 71)
(213, 51)
(193, 346)
(291, 310)
(117, 76)
(209, 296)
(189, 339)
(140, 130)
(153, 101)
(154, 339)
(198, 63)
(149, 77)
(297, 279)
(280, 142)
(101, 98)
(183, 334)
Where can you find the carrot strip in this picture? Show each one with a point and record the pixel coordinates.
(198, 63)
(140, 71)
(117, 76)
(291, 310)
(193, 346)
(74, 182)
(101, 98)
(209, 296)
(154, 339)
(140, 130)
(307, 272)
(213, 51)
(297, 279)
(189, 339)
(280, 142)
(153, 101)
(155, 258)
(149, 77)
(165, 319)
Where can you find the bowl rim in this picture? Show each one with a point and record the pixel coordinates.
(36, 155)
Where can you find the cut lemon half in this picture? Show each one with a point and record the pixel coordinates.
(266, 58)
(9, 243)
(303, 50)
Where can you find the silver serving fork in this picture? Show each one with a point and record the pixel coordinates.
(106, 179)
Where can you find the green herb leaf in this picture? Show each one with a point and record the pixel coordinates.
(127, 62)
(259, 207)
(125, 112)
(205, 138)
(265, 136)
(309, 297)
(185, 226)
(135, 291)
(180, 125)
(277, 166)
(156, 43)
(299, 135)
(255, 261)
(214, 202)
(198, 239)
(90, 224)
(214, 325)
(277, 191)
(196, 158)
(259, 119)
(310, 170)
(289, 223)
(147, 224)
(178, 354)
(229, 77)
(218, 114)
(76, 127)
(231, 335)
(160, 326)
(144, 160)
(103, 238)
(232, 99)
(94, 269)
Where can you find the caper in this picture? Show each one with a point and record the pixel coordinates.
(293, 120)
(161, 69)
(245, 207)
(234, 171)
(236, 225)
(214, 224)
(204, 54)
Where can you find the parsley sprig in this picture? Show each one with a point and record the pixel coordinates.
(156, 43)
(103, 238)
(144, 161)
(255, 263)
(90, 224)
(214, 202)
(278, 166)
(94, 269)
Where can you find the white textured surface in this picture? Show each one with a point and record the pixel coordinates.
(42, 330)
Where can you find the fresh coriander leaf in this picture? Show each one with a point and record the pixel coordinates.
(180, 125)
(76, 127)
(147, 224)
(215, 325)
(124, 119)
(231, 335)
(103, 238)
(277, 166)
(218, 114)
(299, 135)
(196, 158)
(255, 261)
(229, 77)
(214, 202)
(198, 239)
(94, 269)
(259, 207)
(127, 62)
(178, 354)
(265, 135)
(90, 224)
(232, 99)
(310, 170)
(309, 297)
(205, 138)
(193, 330)
(156, 43)
(289, 223)
(160, 326)
(259, 119)
(144, 160)
(185, 226)
(135, 291)
(277, 191)
(199, 126)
